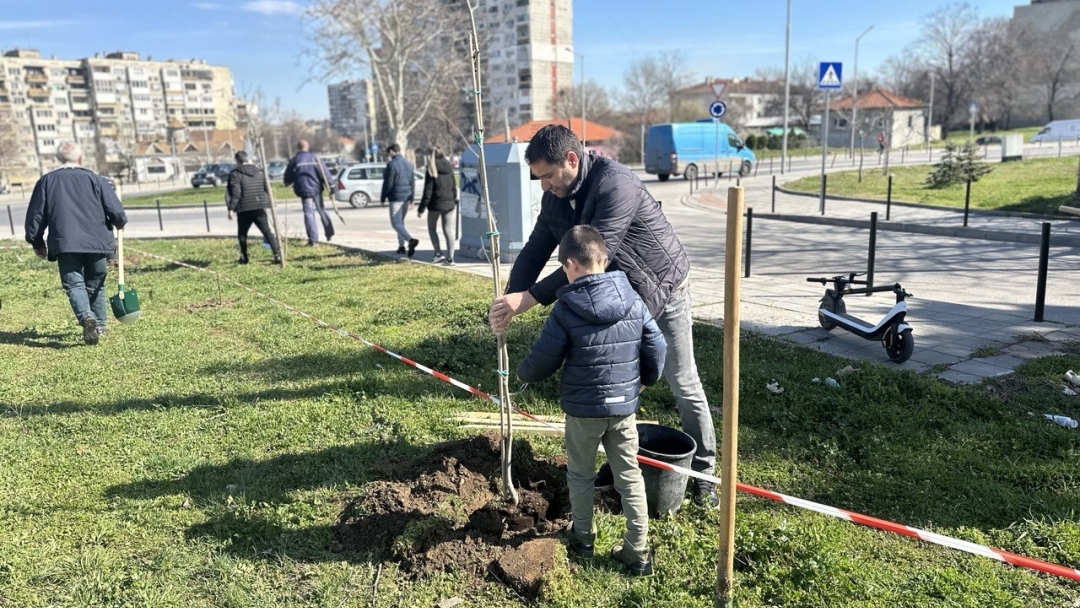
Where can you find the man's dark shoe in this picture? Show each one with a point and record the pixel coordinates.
(89, 330)
(277, 259)
(633, 567)
(581, 547)
(401, 250)
(241, 260)
(412, 246)
(705, 495)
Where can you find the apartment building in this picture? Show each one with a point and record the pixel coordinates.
(530, 57)
(352, 108)
(108, 103)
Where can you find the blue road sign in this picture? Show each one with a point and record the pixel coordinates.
(717, 109)
(829, 75)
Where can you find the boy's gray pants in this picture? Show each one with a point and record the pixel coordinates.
(620, 439)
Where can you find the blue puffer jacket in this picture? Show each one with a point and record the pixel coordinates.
(399, 184)
(610, 343)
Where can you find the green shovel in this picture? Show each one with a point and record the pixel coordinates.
(125, 304)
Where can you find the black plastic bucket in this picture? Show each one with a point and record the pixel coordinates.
(664, 489)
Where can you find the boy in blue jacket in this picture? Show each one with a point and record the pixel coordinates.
(612, 347)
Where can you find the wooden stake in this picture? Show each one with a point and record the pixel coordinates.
(273, 206)
(730, 436)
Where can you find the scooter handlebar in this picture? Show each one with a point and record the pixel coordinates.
(821, 280)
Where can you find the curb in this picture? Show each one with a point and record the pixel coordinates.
(994, 212)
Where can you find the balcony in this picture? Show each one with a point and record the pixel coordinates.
(37, 92)
(36, 78)
(75, 79)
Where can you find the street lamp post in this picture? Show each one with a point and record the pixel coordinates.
(855, 94)
(787, 88)
(583, 128)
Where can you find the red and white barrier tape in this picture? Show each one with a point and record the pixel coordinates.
(873, 522)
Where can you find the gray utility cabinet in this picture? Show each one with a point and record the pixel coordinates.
(515, 200)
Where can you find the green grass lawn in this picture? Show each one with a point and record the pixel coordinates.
(1037, 185)
(196, 196)
(199, 457)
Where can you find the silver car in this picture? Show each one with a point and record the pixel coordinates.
(360, 184)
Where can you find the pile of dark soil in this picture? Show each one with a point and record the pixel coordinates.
(442, 511)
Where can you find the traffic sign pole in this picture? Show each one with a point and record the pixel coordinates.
(824, 149)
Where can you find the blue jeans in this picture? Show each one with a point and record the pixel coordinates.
(314, 206)
(82, 275)
(398, 210)
(681, 372)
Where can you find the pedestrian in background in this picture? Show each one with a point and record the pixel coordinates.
(307, 176)
(611, 347)
(248, 195)
(398, 189)
(441, 198)
(79, 209)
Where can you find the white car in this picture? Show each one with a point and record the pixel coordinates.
(361, 183)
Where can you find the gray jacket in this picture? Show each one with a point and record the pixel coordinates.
(78, 208)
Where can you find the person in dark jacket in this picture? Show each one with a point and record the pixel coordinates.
(588, 189)
(612, 347)
(398, 189)
(248, 195)
(307, 176)
(79, 209)
(440, 196)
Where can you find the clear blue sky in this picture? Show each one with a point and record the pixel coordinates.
(264, 41)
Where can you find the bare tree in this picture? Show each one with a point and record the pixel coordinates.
(671, 69)
(806, 99)
(597, 103)
(408, 48)
(945, 49)
(995, 69)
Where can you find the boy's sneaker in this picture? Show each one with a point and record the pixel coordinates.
(89, 330)
(412, 247)
(705, 495)
(401, 250)
(449, 263)
(635, 567)
(438, 258)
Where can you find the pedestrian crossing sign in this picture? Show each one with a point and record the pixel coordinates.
(829, 74)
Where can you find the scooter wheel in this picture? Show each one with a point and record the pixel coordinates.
(831, 305)
(898, 346)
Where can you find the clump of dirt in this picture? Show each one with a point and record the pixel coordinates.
(442, 511)
(213, 304)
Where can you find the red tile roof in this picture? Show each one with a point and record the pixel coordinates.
(523, 133)
(879, 99)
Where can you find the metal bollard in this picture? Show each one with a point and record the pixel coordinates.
(1044, 261)
(10, 220)
(888, 200)
(206, 212)
(771, 158)
(872, 251)
(749, 235)
(824, 187)
(161, 226)
(967, 201)
(774, 193)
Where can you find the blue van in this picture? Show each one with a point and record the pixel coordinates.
(689, 148)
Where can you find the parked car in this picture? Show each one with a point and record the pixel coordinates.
(276, 168)
(987, 140)
(1058, 130)
(213, 174)
(361, 183)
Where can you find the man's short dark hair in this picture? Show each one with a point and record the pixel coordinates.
(241, 157)
(550, 145)
(396, 149)
(584, 244)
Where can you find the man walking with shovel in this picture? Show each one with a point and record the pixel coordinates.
(79, 210)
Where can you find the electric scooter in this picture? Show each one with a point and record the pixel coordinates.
(893, 332)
